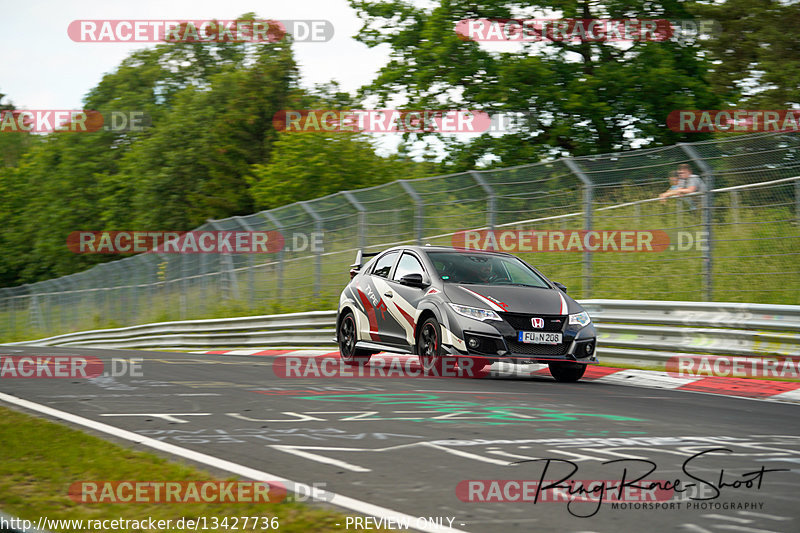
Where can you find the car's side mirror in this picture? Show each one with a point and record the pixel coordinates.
(560, 286)
(412, 280)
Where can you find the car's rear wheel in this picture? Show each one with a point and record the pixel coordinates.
(429, 347)
(347, 342)
(567, 372)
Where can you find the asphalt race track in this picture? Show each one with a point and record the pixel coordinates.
(413, 444)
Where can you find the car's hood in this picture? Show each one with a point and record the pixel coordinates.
(512, 298)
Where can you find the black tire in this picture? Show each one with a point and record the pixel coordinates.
(347, 338)
(429, 348)
(567, 372)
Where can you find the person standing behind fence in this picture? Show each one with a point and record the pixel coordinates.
(674, 183)
(688, 183)
(692, 182)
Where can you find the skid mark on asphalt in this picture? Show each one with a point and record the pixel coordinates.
(781, 448)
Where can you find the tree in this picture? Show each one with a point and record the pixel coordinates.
(312, 164)
(194, 163)
(210, 108)
(584, 97)
(12, 143)
(756, 50)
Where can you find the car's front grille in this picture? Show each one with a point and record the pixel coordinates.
(522, 322)
(517, 347)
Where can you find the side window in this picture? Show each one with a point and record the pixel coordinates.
(408, 265)
(384, 264)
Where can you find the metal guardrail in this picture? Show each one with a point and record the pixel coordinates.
(293, 330)
(647, 333)
(634, 333)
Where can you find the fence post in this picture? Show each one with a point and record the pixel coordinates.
(418, 219)
(251, 284)
(10, 307)
(184, 300)
(588, 198)
(272, 218)
(797, 200)
(490, 198)
(35, 313)
(60, 305)
(362, 218)
(226, 267)
(317, 253)
(707, 201)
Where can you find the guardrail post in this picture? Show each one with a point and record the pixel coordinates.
(362, 218)
(588, 198)
(317, 253)
(490, 198)
(418, 219)
(708, 178)
(272, 218)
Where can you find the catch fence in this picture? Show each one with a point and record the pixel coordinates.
(738, 241)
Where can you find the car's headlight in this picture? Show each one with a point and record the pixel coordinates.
(475, 312)
(582, 318)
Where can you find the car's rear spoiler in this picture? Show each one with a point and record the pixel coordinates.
(355, 267)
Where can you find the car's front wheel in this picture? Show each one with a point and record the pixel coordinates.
(347, 342)
(429, 347)
(567, 372)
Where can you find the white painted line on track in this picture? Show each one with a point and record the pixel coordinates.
(789, 396)
(344, 502)
(647, 378)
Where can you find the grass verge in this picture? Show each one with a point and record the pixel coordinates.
(40, 459)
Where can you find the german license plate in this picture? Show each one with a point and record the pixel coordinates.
(538, 337)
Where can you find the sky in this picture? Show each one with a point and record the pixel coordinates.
(42, 68)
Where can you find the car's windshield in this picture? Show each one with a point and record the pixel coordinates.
(487, 269)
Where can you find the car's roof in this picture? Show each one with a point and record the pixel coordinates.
(418, 248)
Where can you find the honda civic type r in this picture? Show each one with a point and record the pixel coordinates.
(474, 307)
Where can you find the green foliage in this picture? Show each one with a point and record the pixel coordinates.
(757, 51)
(584, 97)
(206, 154)
(309, 165)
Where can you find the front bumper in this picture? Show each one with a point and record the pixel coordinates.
(498, 342)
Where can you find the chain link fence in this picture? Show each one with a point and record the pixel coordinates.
(738, 242)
